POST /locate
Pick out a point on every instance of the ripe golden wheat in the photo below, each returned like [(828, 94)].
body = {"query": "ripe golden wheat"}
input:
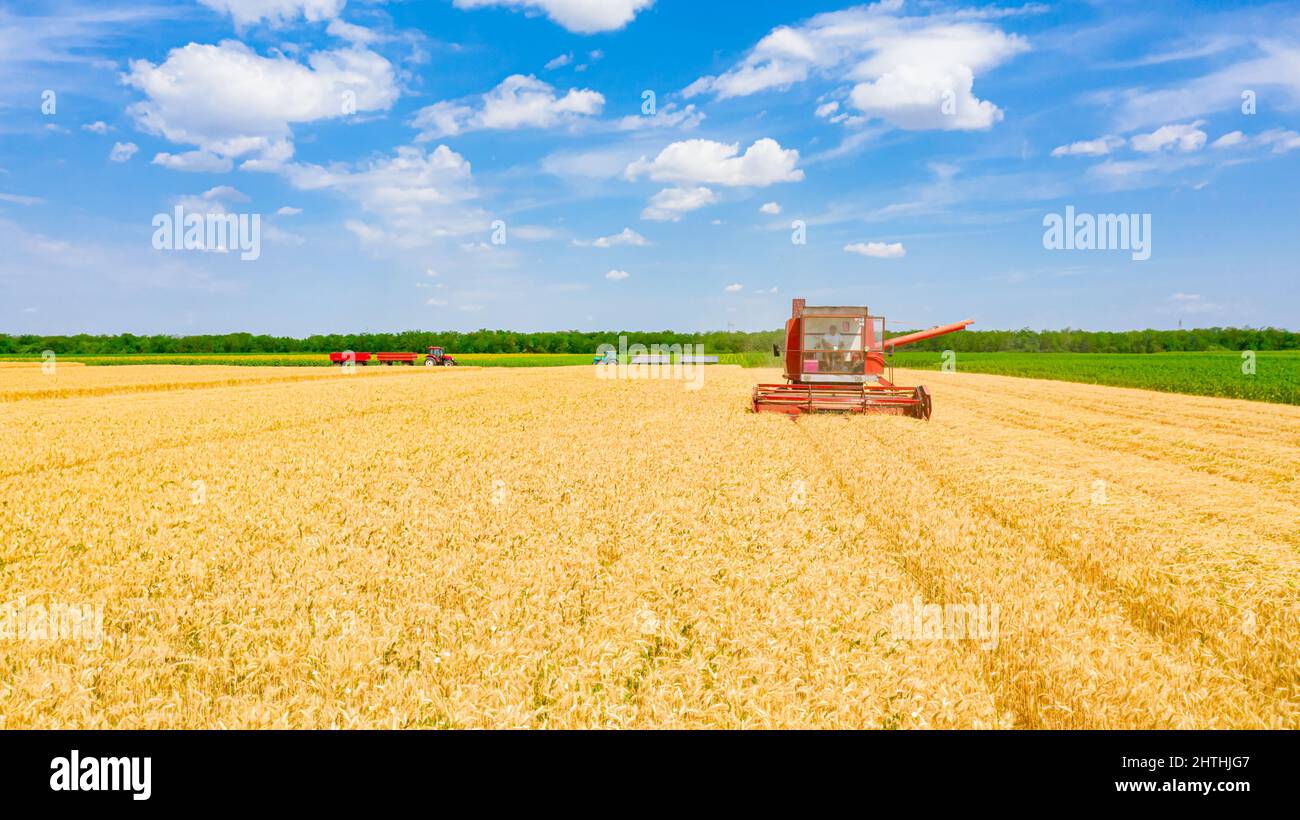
[(542, 548)]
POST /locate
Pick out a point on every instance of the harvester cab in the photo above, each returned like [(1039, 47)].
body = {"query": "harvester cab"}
[(838, 359)]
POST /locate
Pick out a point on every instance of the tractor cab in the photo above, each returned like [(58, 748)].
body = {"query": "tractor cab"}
[(437, 357)]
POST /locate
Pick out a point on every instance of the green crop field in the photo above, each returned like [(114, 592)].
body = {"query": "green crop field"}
[(1217, 373)]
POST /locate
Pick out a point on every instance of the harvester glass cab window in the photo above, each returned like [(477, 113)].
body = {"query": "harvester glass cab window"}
[(875, 333), (833, 344)]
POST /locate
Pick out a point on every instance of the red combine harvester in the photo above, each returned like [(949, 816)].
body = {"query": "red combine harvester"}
[(836, 361)]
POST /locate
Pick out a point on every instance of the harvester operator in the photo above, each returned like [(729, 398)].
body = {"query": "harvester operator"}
[(831, 341)]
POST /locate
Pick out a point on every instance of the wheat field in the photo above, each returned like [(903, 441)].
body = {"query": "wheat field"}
[(542, 548)]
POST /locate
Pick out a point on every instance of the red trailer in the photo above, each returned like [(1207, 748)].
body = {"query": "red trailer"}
[(396, 358), (340, 359)]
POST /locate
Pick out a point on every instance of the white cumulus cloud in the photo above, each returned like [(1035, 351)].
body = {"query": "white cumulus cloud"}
[(705, 161), (1089, 148), (625, 237), (211, 201), (518, 102), (770, 208), (913, 72), (1281, 140), (276, 12), (1229, 139), (616, 275), (123, 151), (231, 102), (581, 16), (669, 204), (668, 116), (878, 250), (202, 162), (1186, 137), (411, 198)]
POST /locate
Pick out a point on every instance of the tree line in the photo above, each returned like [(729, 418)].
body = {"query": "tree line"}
[(1126, 341), (478, 341), (572, 341)]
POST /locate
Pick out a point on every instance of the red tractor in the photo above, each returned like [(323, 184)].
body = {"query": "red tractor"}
[(437, 357)]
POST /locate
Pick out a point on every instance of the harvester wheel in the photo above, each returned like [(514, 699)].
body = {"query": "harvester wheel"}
[(923, 403)]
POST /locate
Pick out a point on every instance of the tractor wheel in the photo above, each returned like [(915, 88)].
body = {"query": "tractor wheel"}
[(429, 363), (446, 363)]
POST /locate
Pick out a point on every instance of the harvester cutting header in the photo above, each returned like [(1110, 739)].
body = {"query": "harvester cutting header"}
[(837, 359)]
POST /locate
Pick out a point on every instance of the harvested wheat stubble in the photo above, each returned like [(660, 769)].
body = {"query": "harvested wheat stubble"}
[(539, 547)]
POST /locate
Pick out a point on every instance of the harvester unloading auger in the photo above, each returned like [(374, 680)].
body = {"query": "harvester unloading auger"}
[(836, 360)]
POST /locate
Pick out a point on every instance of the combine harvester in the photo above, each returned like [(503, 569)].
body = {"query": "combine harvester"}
[(836, 361)]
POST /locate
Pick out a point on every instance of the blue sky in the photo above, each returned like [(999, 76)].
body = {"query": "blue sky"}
[(919, 144)]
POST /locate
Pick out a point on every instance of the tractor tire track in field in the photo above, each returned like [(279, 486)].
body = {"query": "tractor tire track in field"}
[(1097, 556), (238, 431), (61, 393), (1154, 477), (1042, 605), (1174, 548), (258, 377), (1222, 515), (1237, 457), (1244, 422)]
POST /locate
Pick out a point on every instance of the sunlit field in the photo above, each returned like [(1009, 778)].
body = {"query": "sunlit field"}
[(539, 547)]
